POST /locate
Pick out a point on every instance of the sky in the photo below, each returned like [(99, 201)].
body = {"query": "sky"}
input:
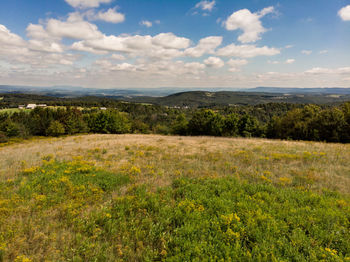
[(175, 43)]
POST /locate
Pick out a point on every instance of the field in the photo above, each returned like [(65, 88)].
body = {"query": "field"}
[(13, 110), (150, 197)]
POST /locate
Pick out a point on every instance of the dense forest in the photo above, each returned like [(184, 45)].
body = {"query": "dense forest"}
[(271, 120)]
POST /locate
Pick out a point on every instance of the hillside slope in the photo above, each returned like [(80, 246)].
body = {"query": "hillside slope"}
[(226, 98), (150, 197)]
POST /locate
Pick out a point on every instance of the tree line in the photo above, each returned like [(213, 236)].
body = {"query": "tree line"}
[(274, 120)]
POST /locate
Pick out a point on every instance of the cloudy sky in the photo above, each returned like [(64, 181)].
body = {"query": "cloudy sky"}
[(175, 43)]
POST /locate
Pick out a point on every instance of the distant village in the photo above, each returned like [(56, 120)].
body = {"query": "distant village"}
[(31, 106)]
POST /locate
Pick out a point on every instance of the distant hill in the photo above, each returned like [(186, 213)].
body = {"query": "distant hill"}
[(229, 98), (76, 91), (326, 90), (185, 98)]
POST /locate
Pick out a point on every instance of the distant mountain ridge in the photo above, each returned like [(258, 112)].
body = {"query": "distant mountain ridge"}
[(185, 98), (323, 90), (76, 91)]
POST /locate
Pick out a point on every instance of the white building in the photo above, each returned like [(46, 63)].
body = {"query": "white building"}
[(31, 106)]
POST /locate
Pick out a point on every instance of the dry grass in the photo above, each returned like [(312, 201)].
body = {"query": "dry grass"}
[(156, 160)]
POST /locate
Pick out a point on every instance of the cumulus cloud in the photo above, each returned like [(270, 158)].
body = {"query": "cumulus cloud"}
[(87, 3), (214, 62), (322, 71), (246, 51), (111, 16), (118, 57), (75, 28), (290, 61), (161, 46), (38, 52), (235, 64), (146, 23), (323, 52), (306, 52), (205, 5), (8, 38), (169, 40), (344, 13), (206, 45), (249, 23)]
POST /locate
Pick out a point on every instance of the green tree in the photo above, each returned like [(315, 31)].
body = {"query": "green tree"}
[(180, 125), (55, 129), (231, 125), (206, 122), (248, 126)]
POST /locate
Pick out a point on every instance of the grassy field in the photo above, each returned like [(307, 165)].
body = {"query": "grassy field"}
[(13, 110), (149, 197)]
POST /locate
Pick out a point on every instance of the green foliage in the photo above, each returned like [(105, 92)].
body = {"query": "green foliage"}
[(109, 122), (180, 125), (272, 120), (10, 128), (248, 126), (231, 125), (206, 122), (55, 129), (224, 219)]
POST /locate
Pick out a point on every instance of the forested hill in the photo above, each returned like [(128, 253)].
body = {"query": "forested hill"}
[(192, 99), (227, 98)]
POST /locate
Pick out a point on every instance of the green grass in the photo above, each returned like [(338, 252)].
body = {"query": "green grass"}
[(13, 110), (131, 199), (207, 219), (42, 209)]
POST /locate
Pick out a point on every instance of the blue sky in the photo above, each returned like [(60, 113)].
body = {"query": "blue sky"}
[(177, 43)]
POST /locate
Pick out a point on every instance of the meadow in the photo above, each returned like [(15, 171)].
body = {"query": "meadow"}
[(172, 198)]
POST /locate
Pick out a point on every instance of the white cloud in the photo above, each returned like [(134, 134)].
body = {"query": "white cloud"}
[(169, 40), (195, 66), (161, 46), (235, 64), (246, 51), (249, 23), (290, 61), (111, 16), (146, 23), (206, 45), (319, 70), (8, 38), (306, 52), (206, 5), (118, 57), (87, 3), (273, 62), (323, 52), (288, 46), (45, 46), (75, 27), (37, 32), (324, 71), (214, 62), (344, 13)]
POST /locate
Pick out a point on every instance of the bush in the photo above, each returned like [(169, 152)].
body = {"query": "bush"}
[(3, 137)]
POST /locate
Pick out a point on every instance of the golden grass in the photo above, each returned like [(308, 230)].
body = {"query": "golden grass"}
[(156, 160)]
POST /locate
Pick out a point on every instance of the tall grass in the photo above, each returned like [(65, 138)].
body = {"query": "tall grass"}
[(142, 198)]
